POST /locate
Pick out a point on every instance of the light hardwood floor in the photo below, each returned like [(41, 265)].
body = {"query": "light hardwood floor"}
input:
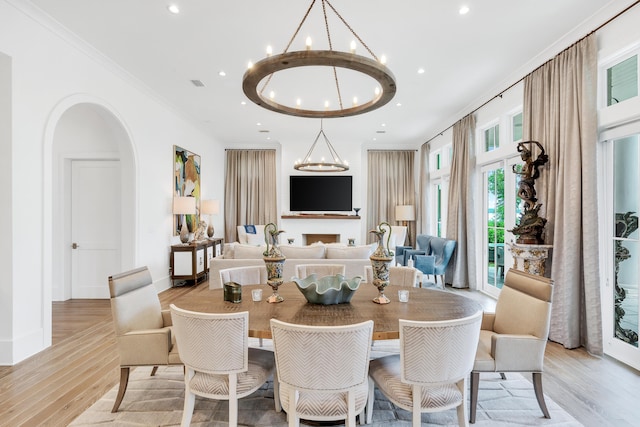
[(56, 385)]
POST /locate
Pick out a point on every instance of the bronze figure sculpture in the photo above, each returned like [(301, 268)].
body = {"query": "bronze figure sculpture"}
[(531, 225)]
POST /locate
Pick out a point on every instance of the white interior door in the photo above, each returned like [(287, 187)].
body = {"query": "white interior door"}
[(95, 226)]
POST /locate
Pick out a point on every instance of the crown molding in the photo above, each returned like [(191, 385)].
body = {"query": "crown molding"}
[(45, 20)]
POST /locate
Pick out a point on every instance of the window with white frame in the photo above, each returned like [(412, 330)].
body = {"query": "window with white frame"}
[(440, 160), (622, 80), (516, 127), (494, 225), (491, 138), (439, 192)]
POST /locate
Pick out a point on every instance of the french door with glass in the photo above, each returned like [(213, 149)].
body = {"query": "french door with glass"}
[(500, 213), (621, 303)]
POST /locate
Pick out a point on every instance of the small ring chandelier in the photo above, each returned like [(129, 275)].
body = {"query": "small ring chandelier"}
[(307, 165), (373, 68)]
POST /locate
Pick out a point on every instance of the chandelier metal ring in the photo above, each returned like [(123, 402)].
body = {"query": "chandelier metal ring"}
[(321, 167), (329, 58)]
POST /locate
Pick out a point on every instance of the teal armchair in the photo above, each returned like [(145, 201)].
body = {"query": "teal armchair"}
[(403, 253), (435, 261)]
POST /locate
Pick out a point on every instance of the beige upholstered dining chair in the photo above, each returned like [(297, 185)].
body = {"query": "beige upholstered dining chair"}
[(514, 338), (219, 363), (322, 370), (401, 276), (430, 373), (248, 275), (320, 270), (143, 330)]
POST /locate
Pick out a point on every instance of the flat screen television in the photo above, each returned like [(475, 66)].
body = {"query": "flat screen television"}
[(320, 193)]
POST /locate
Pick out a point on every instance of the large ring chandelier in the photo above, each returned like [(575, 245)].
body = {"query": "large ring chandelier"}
[(372, 67)]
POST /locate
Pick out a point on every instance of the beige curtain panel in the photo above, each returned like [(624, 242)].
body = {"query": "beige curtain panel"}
[(250, 195), (460, 225), (390, 182), (423, 214), (560, 112)]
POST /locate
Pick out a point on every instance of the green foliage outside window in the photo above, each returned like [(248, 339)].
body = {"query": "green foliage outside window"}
[(495, 224)]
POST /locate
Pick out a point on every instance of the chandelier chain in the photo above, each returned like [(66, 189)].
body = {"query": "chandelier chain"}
[(299, 26), (304, 18), (351, 29), (335, 73)]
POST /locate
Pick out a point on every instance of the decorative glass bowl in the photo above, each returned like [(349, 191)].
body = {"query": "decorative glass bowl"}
[(328, 290)]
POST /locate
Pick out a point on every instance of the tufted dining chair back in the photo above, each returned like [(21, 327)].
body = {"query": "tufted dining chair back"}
[(398, 275), (430, 374), (219, 363), (248, 275), (322, 370), (320, 270)]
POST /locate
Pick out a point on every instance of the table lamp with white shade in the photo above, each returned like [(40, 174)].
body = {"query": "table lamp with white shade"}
[(210, 207), (184, 206), (405, 213)]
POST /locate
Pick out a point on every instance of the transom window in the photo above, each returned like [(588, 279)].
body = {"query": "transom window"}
[(622, 80), (516, 128), (492, 138)]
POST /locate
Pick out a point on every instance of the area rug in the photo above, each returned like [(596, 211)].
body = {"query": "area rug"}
[(158, 400)]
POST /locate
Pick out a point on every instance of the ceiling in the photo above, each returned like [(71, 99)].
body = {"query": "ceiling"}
[(467, 59)]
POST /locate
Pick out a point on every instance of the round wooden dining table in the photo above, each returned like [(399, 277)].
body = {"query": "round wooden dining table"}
[(423, 304)]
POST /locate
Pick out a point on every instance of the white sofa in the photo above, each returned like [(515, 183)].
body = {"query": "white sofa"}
[(238, 255)]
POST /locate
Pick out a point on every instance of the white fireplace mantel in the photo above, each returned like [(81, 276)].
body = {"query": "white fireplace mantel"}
[(344, 227)]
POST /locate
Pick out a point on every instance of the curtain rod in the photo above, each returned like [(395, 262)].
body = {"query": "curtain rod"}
[(254, 149), (499, 95), (408, 149)]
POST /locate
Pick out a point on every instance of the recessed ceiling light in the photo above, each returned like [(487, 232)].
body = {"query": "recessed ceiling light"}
[(221, 73), (243, 102), (398, 105), (174, 9), (464, 10), (258, 124), (383, 124), (420, 70)]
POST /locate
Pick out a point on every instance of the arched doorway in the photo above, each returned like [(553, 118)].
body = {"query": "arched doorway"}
[(83, 130)]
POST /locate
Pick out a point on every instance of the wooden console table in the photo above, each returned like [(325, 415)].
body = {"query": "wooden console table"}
[(191, 261)]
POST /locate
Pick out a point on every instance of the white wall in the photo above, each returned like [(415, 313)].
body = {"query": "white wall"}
[(294, 150), (6, 255), (50, 67)]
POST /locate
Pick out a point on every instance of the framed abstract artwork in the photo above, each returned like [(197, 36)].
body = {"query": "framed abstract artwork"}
[(186, 182)]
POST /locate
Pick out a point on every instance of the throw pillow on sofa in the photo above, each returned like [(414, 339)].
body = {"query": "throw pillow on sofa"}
[(303, 252), (248, 251), (255, 239), (350, 252)]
